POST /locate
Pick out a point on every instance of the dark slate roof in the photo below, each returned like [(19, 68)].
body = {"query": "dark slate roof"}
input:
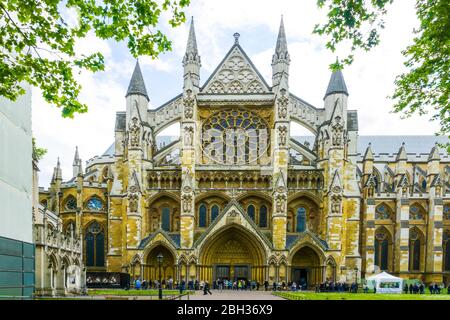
[(137, 84), (175, 237), (336, 84), (290, 240), (110, 151)]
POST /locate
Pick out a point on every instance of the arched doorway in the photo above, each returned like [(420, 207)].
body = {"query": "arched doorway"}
[(232, 253), (151, 267), (306, 267)]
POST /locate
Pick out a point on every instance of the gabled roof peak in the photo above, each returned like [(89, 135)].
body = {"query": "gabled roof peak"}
[(401, 155), (137, 84)]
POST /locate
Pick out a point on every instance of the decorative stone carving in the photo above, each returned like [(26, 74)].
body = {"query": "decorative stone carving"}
[(283, 102), (189, 103), (188, 136), (134, 133), (337, 130), (336, 203), (282, 131), (187, 202), (133, 199), (280, 202)]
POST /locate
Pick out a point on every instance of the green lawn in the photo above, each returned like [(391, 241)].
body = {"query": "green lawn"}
[(359, 296), (132, 292)]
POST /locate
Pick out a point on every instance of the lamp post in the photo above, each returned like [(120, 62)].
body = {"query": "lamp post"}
[(159, 257)]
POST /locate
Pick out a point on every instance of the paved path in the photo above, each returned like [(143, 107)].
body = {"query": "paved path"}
[(233, 295)]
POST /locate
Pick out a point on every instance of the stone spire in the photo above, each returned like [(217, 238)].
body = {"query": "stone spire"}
[(137, 84), (57, 172), (281, 50), (401, 154), (336, 84), (191, 61), (369, 154), (280, 61), (191, 47), (77, 166)]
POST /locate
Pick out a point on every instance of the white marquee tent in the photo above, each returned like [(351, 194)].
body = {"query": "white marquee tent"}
[(385, 283)]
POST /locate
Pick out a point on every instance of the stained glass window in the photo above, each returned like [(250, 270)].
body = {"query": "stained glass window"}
[(235, 136), (165, 220), (214, 212), (94, 204), (71, 204), (447, 212), (95, 245), (251, 212), (263, 217), (382, 212), (416, 212), (381, 249), (301, 219), (446, 247), (202, 216), (414, 250)]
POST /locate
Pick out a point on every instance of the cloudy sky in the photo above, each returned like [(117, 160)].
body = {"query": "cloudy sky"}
[(369, 80)]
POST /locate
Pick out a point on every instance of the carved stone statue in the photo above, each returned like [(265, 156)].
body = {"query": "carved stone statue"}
[(133, 199), (187, 202), (336, 204), (188, 136), (283, 135), (134, 133), (337, 130), (280, 203)]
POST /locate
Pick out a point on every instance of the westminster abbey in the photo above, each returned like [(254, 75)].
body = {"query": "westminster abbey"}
[(236, 196)]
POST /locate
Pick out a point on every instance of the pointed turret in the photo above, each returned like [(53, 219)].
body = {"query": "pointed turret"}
[(280, 60), (369, 154), (77, 166), (137, 84), (57, 172), (401, 154), (191, 61), (336, 84), (434, 153)]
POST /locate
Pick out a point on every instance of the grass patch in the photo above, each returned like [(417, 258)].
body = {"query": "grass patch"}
[(132, 292), (358, 296)]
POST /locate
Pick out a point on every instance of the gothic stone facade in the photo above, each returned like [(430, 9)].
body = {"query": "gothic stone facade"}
[(237, 197)]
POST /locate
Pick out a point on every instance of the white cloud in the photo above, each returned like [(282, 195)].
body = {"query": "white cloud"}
[(369, 79)]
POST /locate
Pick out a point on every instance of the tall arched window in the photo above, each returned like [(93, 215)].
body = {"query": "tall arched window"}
[(95, 245), (446, 247), (165, 219), (301, 219), (214, 212), (414, 250), (251, 212), (263, 217), (202, 216), (381, 249)]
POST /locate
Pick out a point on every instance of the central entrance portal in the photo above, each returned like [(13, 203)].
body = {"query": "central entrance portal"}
[(300, 276), (232, 272), (233, 254)]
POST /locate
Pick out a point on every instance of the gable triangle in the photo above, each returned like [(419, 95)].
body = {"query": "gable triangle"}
[(236, 74)]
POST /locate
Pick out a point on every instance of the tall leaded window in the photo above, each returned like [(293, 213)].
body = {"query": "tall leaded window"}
[(251, 212), (447, 212), (235, 136), (263, 216), (165, 219), (301, 219), (414, 250), (95, 245), (202, 216), (214, 212), (446, 247), (381, 249)]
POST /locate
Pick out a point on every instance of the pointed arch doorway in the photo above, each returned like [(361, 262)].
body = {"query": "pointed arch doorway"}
[(306, 267), (234, 254)]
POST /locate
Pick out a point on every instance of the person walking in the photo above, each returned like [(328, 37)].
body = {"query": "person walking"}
[(206, 289), (220, 282), (137, 284)]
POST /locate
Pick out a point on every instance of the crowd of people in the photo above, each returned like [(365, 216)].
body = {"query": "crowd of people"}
[(242, 284)]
